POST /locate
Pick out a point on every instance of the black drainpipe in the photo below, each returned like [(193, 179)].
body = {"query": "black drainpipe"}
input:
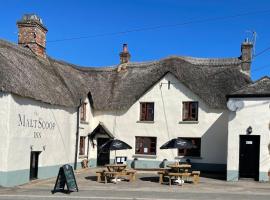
[(77, 134)]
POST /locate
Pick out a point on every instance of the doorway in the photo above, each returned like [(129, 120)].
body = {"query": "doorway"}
[(34, 164), (249, 156), (103, 158)]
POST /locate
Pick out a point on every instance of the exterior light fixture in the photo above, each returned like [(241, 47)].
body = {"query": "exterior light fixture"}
[(249, 130), (44, 147)]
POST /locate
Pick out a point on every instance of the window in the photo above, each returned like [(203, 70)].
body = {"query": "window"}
[(83, 112), (146, 145), (190, 111), (82, 145), (191, 152), (147, 111)]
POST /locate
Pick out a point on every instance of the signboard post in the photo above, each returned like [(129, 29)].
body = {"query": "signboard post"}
[(67, 178)]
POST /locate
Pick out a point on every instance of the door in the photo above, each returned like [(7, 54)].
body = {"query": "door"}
[(103, 158), (249, 156), (34, 164)]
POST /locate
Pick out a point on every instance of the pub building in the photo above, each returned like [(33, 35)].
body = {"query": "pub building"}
[(54, 113)]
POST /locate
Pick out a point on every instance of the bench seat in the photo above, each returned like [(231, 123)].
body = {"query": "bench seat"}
[(129, 174)]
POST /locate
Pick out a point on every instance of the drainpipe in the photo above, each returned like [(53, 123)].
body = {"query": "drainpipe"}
[(77, 134)]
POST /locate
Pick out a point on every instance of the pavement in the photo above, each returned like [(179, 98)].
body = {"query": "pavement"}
[(146, 187)]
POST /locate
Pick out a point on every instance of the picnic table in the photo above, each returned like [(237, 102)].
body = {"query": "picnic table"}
[(179, 172), (114, 172), (116, 167), (176, 167)]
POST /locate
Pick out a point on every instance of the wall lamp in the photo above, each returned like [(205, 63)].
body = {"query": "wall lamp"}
[(249, 130)]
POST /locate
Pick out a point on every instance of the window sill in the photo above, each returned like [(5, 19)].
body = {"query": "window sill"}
[(189, 122), (188, 157), (146, 122), (143, 156), (82, 156), (84, 122)]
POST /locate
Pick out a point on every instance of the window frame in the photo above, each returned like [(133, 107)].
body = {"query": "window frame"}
[(189, 152), (83, 112), (189, 117), (147, 117), (82, 146), (149, 147)]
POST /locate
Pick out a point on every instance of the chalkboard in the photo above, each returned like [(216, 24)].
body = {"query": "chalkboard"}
[(67, 178)]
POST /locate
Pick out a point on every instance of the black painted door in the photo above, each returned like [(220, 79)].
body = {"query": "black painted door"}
[(249, 156), (103, 158), (34, 165)]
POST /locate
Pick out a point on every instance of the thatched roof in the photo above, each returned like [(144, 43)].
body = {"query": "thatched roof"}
[(55, 82), (260, 88)]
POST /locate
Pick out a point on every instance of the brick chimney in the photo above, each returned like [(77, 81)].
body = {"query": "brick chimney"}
[(124, 55), (246, 56), (32, 34)]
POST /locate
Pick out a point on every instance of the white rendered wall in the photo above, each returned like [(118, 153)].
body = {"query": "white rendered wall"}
[(4, 129), (255, 113), (211, 126), (57, 145)]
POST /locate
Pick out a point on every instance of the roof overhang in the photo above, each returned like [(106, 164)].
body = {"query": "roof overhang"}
[(100, 130)]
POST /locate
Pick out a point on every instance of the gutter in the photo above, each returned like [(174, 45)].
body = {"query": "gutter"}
[(77, 134)]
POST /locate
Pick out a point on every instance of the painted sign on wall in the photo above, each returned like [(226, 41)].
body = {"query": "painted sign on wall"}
[(35, 123)]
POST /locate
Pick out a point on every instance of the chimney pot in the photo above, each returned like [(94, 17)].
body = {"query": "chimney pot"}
[(125, 55), (125, 48)]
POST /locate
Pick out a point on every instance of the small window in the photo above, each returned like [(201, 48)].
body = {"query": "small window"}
[(82, 145), (83, 112), (147, 111), (146, 145), (190, 111), (196, 152)]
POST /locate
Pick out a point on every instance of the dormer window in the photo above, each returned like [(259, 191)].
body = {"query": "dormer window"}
[(83, 112), (190, 111), (147, 111)]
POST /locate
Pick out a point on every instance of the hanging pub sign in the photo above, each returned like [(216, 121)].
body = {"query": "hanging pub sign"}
[(67, 178)]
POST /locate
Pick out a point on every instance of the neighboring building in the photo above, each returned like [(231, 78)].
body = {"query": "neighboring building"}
[(55, 113), (249, 132)]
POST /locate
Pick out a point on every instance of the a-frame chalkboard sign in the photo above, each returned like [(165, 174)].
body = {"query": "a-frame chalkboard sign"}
[(67, 178)]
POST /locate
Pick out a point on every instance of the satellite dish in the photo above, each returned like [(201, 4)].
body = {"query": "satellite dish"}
[(231, 105), (235, 105), (239, 105)]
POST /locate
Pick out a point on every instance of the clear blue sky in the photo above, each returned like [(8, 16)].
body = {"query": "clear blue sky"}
[(70, 18)]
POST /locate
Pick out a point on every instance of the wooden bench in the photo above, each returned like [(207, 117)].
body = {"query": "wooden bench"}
[(161, 176), (130, 174), (196, 176), (176, 175), (100, 174)]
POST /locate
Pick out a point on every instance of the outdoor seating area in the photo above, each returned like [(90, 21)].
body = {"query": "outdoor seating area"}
[(116, 173), (173, 174), (178, 173)]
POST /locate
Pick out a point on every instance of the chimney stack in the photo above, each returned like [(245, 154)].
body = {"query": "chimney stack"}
[(32, 34), (246, 56), (124, 55)]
